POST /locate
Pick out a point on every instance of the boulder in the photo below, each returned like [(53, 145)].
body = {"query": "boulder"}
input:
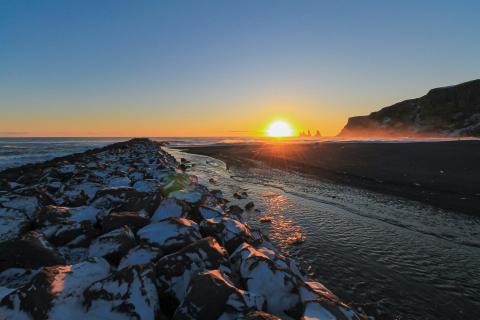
[(74, 234), (175, 270), (12, 224), (149, 185), (141, 254), (30, 251), (14, 278), (115, 220), (113, 245), (223, 301), (119, 182), (192, 197), (170, 234), (126, 199), (54, 292), (209, 213), (130, 293), (63, 215), (321, 303), (29, 205), (170, 208), (278, 285), (228, 231), (79, 193), (235, 211)]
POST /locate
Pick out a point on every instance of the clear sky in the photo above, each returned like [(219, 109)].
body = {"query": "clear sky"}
[(225, 68)]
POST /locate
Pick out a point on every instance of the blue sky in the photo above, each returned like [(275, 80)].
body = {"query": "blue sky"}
[(217, 67)]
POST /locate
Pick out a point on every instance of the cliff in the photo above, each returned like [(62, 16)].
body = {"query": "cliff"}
[(446, 111)]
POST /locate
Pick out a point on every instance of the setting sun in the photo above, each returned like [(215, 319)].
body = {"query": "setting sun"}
[(279, 129)]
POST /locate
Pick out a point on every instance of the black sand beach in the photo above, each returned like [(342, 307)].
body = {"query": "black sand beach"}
[(443, 174)]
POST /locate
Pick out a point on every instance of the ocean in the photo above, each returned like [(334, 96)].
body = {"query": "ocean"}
[(18, 151)]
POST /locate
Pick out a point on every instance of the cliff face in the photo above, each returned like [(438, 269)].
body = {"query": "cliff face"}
[(446, 111)]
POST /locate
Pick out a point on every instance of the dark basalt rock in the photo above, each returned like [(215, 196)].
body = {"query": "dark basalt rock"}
[(170, 234), (36, 299), (52, 215), (278, 285), (140, 255), (113, 245), (223, 300), (229, 232), (127, 199), (130, 292), (30, 251), (53, 288), (116, 220), (171, 208), (75, 234), (173, 269), (12, 224), (235, 210)]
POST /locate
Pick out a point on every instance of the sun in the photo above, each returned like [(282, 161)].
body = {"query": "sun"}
[(279, 129)]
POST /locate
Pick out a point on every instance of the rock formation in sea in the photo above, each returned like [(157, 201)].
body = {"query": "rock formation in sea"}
[(122, 232), (447, 111)]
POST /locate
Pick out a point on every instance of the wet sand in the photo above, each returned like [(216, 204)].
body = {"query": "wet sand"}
[(443, 174)]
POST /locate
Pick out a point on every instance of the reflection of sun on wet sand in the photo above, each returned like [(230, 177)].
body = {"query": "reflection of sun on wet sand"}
[(283, 231)]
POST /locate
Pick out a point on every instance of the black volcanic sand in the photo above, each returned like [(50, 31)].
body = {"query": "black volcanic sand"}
[(443, 174)]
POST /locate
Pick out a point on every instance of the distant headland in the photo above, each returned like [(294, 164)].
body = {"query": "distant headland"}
[(447, 111)]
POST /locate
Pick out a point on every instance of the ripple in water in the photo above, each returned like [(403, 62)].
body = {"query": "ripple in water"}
[(410, 260)]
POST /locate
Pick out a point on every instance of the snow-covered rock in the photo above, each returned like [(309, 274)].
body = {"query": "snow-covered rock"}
[(321, 303), (139, 255), (170, 234), (175, 270), (30, 251), (188, 196), (170, 208), (126, 199), (119, 182), (229, 232), (127, 294), (113, 245), (55, 292), (57, 214), (12, 223), (146, 185), (223, 301), (279, 286), (29, 205), (115, 220)]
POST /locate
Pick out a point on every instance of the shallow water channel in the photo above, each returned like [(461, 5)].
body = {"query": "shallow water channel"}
[(410, 260)]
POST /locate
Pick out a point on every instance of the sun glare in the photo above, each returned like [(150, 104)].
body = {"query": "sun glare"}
[(279, 129)]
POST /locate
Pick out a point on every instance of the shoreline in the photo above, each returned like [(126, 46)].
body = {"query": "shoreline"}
[(451, 181), (122, 231)]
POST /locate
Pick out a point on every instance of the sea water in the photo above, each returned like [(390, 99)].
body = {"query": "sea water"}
[(408, 259)]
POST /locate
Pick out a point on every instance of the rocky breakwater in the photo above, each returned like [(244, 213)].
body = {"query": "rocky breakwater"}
[(122, 232)]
